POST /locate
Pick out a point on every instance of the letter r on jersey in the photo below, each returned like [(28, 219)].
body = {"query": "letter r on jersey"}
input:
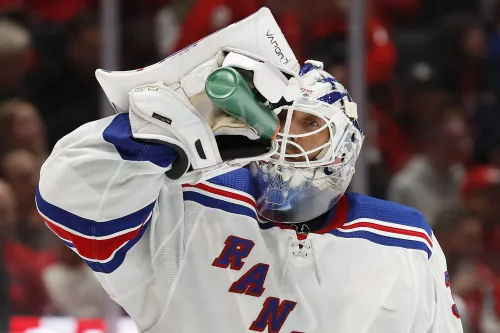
[(235, 250), (273, 314)]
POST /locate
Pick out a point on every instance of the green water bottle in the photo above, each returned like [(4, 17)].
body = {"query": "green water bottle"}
[(227, 89)]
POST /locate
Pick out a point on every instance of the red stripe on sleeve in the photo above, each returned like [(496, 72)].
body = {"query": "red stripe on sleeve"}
[(393, 230), (93, 248)]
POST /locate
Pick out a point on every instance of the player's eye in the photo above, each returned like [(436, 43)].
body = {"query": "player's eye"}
[(311, 123)]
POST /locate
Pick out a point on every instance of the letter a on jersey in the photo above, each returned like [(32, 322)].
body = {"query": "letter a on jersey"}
[(235, 250), (252, 282)]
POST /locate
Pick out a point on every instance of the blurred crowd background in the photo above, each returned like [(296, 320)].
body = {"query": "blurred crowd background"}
[(433, 132)]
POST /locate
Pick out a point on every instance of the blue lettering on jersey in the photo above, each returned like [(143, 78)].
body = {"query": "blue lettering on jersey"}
[(454, 309), (252, 282), (274, 312), (273, 315), (235, 250)]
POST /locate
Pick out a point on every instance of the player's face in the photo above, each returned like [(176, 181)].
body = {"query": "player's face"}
[(303, 123)]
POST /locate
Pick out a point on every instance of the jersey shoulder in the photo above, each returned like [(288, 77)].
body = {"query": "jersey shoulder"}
[(366, 207), (386, 223), (230, 192)]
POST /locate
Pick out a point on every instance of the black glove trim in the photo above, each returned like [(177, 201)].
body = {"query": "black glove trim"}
[(237, 146), (179, 166)]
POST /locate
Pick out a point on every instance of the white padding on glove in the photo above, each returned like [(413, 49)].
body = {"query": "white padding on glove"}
[(268, 79), (159, 114), (194, 82)]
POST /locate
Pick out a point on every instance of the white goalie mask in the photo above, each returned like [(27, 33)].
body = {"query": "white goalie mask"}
[(297, 185)]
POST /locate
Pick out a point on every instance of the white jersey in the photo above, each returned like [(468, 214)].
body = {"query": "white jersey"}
[(191, 259)]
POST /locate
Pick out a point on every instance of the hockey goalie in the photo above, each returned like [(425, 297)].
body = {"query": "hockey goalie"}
[(215, 200)]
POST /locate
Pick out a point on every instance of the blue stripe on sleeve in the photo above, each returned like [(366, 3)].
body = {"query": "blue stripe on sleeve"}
[(119, 134), (219, 204), (88, 227), (384, 240)]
